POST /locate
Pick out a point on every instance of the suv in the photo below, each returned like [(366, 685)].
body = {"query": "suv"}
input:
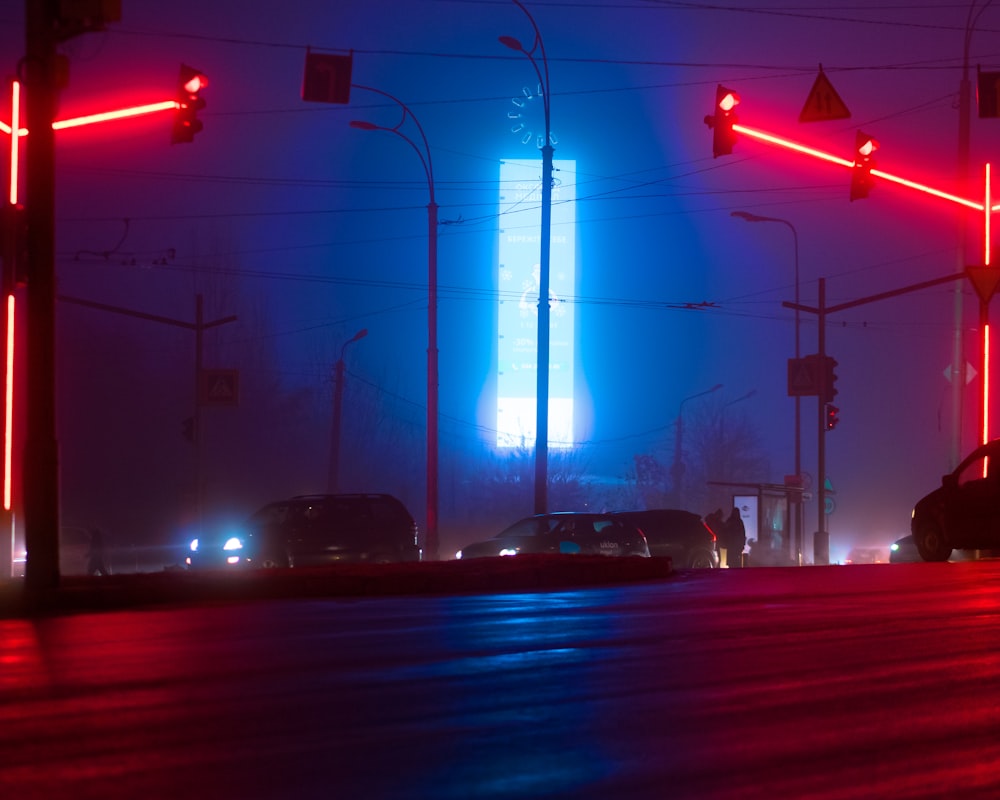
[(317, 529), (681, 535), (964, 512)]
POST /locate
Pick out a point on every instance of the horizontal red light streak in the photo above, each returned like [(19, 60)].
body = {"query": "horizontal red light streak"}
[(105, 116), (811, 151)]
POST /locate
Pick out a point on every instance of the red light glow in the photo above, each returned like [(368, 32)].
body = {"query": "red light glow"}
[(843, 162), (106, 116), (729, 101), (864, 150), (196, 84), (15, 125), (985, 433), (8, 421)]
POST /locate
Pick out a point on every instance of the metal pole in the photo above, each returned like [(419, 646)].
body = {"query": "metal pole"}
[(542, 390), (821, 545), (333, 481), (958, 370), (41, 462), (198, 348), (431, 542)]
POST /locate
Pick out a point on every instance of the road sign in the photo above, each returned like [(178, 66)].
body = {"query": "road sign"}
[(803, 376), (985, 281), (823, 102), (219, 387)]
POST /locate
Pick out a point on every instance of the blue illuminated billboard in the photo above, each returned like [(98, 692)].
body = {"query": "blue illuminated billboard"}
[(517, 316)]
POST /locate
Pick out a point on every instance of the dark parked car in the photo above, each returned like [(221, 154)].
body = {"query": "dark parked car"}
[(903, 551), (964, 512), (563, 532), (314, 529), (681, 535)]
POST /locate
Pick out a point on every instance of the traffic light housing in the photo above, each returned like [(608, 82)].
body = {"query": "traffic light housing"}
[(189, 101), (861, 173), (829, 387), (832, 416), (722, 120)]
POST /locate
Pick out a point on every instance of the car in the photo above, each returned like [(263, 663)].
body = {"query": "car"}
[(680, 535), (309, 530), (904, 551), (563, 532), (868, 555), (963, 513)]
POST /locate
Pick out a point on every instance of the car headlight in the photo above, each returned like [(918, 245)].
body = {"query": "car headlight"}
[(233, 543), (509, 551), (194, 545), (894, 547), (458, 554)]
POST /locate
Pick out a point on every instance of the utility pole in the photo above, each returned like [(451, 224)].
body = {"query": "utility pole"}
[(41, 464)]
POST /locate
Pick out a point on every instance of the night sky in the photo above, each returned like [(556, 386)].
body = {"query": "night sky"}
[(310, 230)]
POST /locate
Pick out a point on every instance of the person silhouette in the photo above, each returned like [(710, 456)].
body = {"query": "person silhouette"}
[(736, 538)]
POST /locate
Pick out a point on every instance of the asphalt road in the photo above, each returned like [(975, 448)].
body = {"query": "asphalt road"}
[(820, 682)]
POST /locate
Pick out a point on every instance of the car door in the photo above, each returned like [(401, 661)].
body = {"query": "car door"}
[(972, 504)]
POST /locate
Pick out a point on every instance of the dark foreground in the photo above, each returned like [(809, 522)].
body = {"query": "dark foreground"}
[(820, 682)]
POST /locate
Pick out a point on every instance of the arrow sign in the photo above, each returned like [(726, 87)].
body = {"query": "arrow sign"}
[(823, 102)]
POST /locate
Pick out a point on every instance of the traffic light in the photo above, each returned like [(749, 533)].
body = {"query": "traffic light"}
[(861, 173), (188, 430), (832, 417), (722, 121), (190, 82), (829, 387)]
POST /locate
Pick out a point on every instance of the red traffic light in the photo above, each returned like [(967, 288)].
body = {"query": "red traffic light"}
[(861, 174), (832, 417), (721, 122), (189, 102)]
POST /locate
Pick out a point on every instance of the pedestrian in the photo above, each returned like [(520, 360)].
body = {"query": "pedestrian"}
[(735, 538), (96, 564)]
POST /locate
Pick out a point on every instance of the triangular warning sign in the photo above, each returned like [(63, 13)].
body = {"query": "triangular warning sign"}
[(823, 102), (985, 279)]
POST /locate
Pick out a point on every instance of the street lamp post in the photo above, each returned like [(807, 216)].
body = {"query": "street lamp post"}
[(746, 215), (431, 544), (677, 471), (333, 482), (542, 391)]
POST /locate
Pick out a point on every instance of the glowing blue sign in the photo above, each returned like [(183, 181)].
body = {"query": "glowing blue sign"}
[(517, 316)]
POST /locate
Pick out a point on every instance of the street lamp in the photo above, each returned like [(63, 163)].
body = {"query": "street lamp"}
[(431, 544), (677, 471), (542, 391), (338, 402), (746, 215)]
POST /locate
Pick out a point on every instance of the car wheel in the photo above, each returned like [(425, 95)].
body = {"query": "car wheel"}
[(700, 559), (930, 542), (381, 557), (274, 561)]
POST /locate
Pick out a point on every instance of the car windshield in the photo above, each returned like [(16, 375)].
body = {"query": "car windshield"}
[(532, 526)]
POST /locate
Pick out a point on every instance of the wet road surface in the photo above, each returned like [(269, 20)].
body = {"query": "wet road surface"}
[(821, 682)]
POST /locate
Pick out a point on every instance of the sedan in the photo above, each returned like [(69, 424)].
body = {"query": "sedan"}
[(564, 532), (681, 535)]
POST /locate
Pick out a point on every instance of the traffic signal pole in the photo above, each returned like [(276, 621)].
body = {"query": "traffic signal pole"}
[(821, 542), (41, 467)]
